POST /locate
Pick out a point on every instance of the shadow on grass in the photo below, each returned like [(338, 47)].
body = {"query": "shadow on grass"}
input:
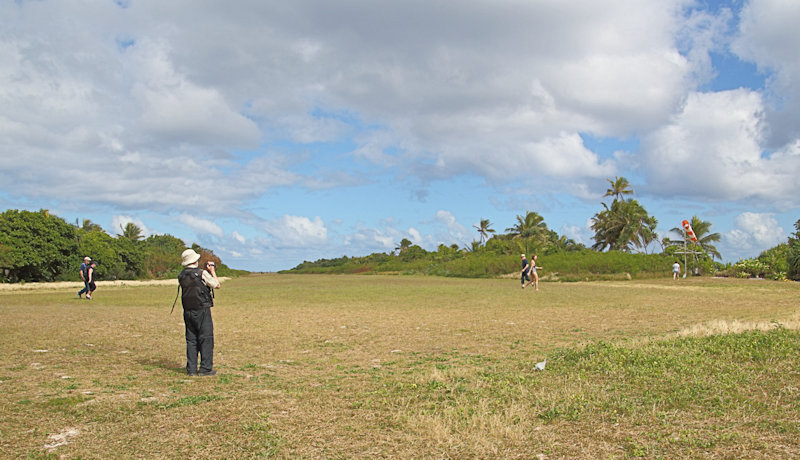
[(163, 363)]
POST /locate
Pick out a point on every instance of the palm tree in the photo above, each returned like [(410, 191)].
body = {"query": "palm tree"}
[(623, 226), (564, 244), (701, 230), (90, 226), (405, 243), (531, 226), (484, 229), (131, 231), (619, 186), (793, 255), (646, 234)]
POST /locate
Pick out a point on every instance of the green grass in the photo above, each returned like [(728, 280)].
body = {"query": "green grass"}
[(408, 367)]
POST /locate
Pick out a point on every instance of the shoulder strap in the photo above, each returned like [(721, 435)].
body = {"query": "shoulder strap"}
[(176, 298)]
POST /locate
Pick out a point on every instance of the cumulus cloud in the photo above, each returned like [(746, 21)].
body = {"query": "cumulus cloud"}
[(767, 36), (753, 233), (578, 234), (321, 96), (415, 235), (238, 237), (297, 231), (368, 239), (200, 225), (455, 230), (761, 228), (712, 150), (178, 110), (503, 91)]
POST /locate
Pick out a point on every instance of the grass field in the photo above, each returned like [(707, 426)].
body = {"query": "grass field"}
[(407, 367)]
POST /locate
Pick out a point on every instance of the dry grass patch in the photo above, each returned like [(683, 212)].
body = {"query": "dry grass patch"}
[(402, 367)]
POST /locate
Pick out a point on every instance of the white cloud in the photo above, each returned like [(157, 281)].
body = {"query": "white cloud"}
[(762, 228), (455, 229), (576, 233), (179, 110), (416, 236), (712, 150), (741, 241), (753, 233), (322, 96), (297, 231), (503, 91), (202, 226), (238, 237), (768, 37)]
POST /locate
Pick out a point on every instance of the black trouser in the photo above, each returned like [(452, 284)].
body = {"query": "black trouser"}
[(199, 339), (85, 288)]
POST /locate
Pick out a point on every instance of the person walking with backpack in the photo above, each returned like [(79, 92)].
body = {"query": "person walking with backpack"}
[(197, 298)]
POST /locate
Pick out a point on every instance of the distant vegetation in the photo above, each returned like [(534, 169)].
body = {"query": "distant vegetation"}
[(37, 246), (578, 265), (625, 245)]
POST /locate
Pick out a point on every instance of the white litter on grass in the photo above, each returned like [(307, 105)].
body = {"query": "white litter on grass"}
[(396, 351), (61, 439), (41, 351), (540, 365)]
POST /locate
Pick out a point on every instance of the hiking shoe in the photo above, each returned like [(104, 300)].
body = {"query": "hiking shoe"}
[(79, 295), (207, 373), (88, 297)]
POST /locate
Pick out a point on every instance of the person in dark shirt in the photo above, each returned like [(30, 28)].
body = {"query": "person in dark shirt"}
[(524, 274), (84, 277), (197, 297), (90, 280)]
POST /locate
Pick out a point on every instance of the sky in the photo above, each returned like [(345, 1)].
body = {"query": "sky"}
[(277, 132)]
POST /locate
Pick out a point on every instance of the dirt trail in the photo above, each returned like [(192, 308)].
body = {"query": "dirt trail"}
[(79, 284)]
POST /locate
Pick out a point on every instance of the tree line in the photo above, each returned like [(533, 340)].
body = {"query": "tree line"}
[(38, 246), (623, 227)]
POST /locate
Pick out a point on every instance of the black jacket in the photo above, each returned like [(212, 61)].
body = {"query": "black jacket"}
[(195, 294)]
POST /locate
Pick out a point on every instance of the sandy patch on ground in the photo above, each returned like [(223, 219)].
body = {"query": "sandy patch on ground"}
[(79, 284), (61, 439)]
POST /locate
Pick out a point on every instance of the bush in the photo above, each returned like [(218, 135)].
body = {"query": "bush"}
[(486, 263), (35, 246), (755, 268)]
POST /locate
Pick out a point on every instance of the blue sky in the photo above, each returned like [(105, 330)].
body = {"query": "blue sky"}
[(277, 132)]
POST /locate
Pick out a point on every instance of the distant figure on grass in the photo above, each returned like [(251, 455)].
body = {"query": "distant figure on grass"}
[(197, 297), (90, 277), (676, 270), (85, 276), (534, 276), (525, 271)]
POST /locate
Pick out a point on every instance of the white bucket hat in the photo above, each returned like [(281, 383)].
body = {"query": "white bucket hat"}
[(87, 258), (189, 257)]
